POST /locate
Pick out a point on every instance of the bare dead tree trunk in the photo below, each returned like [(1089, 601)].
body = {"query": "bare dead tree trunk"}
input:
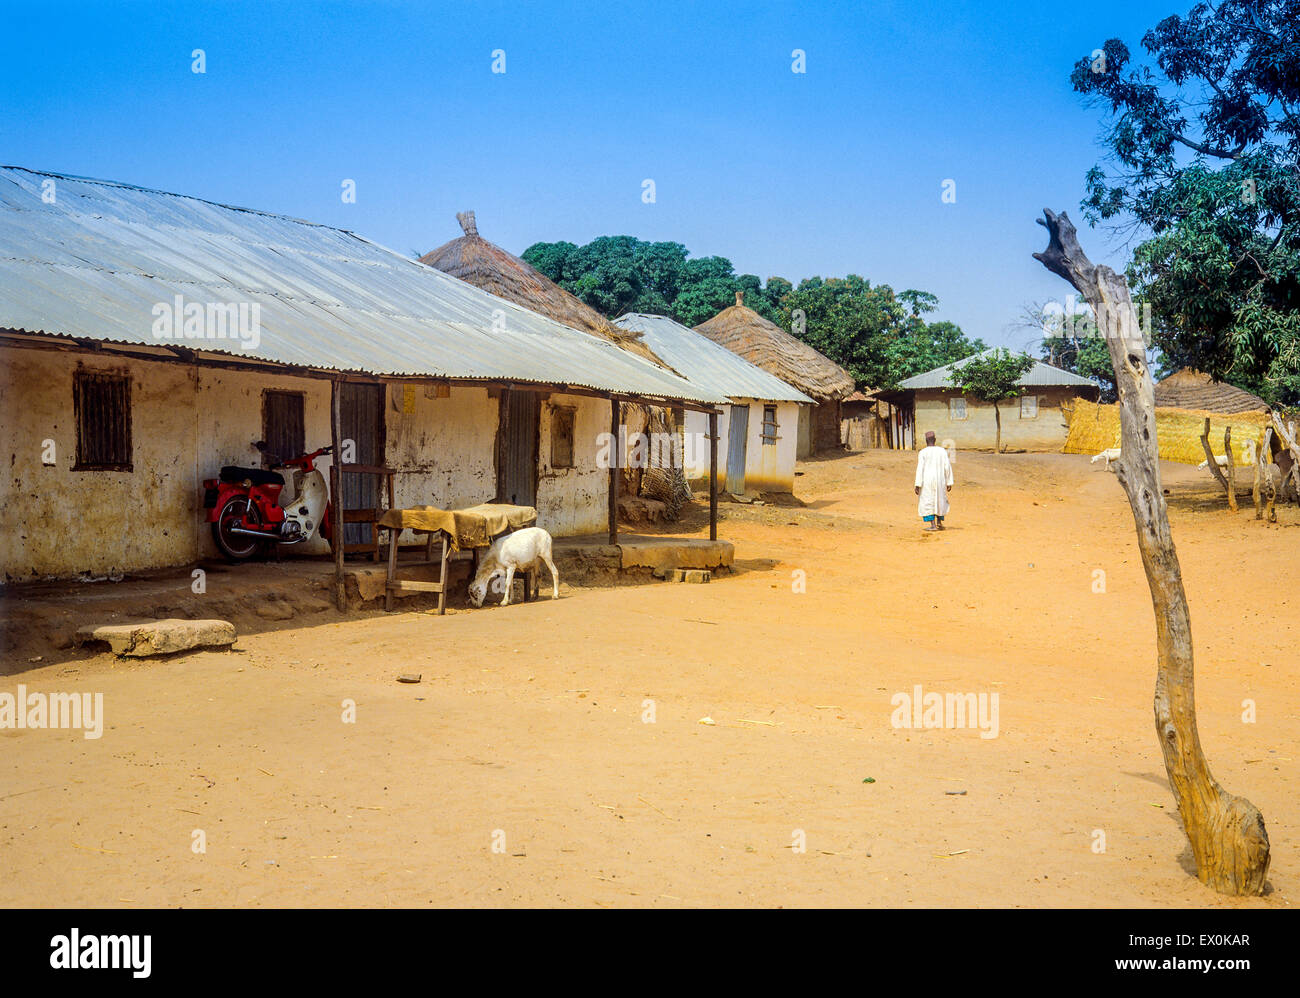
[(1227, 834), (1210, 463)]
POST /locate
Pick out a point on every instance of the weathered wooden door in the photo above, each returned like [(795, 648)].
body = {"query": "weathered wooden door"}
[(517, 447), (361, 418), (282, 426), (737, 447)]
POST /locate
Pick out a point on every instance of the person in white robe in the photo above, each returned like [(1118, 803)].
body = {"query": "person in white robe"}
[(933, 483)]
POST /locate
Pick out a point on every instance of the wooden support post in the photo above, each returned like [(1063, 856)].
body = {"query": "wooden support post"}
[(613, 471), (1231, 469), (1254, 491), (713, 476), (1209, 456), (1265, 461), (337, 519)]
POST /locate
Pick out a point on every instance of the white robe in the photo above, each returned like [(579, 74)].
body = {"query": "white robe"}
[(933, 476)]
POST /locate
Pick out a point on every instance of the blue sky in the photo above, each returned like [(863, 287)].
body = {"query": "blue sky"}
[(837, 170)]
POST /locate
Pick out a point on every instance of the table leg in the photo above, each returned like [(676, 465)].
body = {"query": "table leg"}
[(392, 568), (442, 575)]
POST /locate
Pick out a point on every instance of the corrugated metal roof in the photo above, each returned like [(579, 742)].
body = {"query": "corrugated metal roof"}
[(707, 364), (95, 262), (1040, 375)]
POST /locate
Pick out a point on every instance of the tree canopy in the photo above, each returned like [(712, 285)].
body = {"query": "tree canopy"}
[(1204, 153), (878, 336)]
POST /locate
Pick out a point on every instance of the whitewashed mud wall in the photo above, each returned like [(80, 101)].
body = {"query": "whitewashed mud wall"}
[(573, 501), (185, 423), (444, 451)]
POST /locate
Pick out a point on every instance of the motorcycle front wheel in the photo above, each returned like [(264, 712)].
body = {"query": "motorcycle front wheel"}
[(236, 547)]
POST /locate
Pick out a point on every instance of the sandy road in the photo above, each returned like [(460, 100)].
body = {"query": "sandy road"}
[(567, 733)]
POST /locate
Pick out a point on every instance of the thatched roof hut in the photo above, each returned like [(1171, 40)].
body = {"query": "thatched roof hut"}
[(1191, 389), (474, 260), (765, 344)]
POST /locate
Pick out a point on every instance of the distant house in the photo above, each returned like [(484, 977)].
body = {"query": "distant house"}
[(765, 344), (757, 433), (1033, 422)]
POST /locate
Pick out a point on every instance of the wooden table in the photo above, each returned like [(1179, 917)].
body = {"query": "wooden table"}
[(473, 525)]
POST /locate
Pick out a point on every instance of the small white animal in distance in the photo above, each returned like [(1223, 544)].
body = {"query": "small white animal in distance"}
[(524, 551), (1108, 455), (1248, 453)]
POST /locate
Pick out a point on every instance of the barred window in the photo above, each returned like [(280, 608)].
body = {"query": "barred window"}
[(1028, 406), (957, 408), (101, 404), (562, 419), (769, 424)]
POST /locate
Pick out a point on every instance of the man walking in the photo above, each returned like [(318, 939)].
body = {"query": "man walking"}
[(933, 483)]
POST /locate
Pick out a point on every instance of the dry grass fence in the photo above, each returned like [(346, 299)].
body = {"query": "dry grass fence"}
[(1094, 427)]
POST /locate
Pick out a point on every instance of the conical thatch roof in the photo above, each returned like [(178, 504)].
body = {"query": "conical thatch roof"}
[(1190, 389), (764, 344), (474, 260)]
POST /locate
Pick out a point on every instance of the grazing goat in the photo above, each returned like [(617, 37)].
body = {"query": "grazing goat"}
[(1110, 454), (523, 550)]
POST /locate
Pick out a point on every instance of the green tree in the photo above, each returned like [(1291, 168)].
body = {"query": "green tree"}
[(992, 377), (1203, 150)]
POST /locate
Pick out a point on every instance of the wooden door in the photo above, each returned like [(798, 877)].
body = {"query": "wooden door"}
[(361, 417), (517, 436)]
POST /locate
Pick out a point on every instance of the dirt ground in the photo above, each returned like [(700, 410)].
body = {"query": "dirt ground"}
[(553, 754)]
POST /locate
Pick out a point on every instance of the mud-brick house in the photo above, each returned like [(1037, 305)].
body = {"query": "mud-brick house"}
[(757, 432), (765, 344), (1033, 422), (147, 339)]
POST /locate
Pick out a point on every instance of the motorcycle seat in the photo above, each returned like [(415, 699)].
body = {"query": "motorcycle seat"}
[(234, 474)]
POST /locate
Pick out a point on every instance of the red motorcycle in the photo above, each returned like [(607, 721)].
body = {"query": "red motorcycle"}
[(248, 511)]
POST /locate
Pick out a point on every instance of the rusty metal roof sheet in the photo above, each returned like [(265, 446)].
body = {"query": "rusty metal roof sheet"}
[(97, 259)]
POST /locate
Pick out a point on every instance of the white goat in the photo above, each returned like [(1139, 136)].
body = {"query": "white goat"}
[(524, 550), (1247, 456), (1110, 454)]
